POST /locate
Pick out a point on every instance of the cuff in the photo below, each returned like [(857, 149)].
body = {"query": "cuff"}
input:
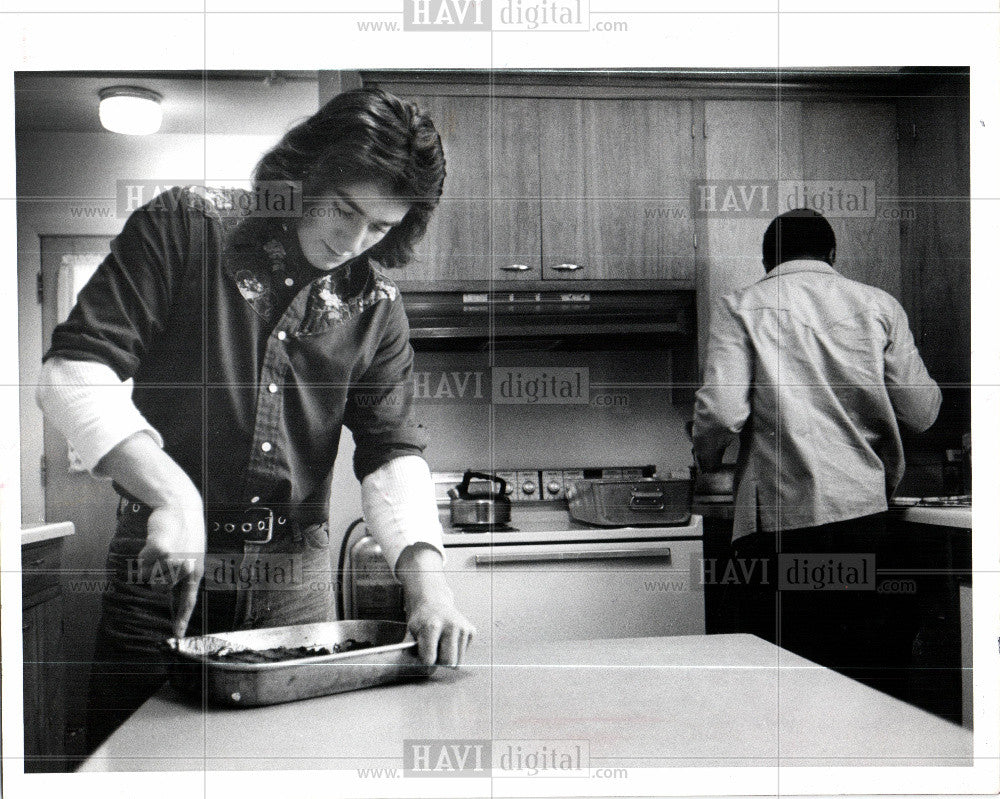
[(91, 407), (399, 507)]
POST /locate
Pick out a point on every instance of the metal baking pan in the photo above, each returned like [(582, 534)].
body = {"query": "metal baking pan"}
[(392, 659), (631, 503)]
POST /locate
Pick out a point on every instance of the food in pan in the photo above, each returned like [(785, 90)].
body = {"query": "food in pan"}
[(281, 653)]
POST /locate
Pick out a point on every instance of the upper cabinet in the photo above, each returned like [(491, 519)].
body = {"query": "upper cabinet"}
[(457, 238), (838, 157), (571, 189), (592, 180), (616, 180)]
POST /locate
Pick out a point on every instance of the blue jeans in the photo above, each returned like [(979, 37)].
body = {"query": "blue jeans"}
[(246, 586)]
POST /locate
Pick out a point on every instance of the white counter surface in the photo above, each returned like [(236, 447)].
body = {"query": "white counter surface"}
[(718, 700), (37, 533), (940, 516)]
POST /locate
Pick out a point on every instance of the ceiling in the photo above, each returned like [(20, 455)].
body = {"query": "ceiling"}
[(249, 102)]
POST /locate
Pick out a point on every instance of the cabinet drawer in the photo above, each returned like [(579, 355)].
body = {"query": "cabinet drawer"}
[(40, 568)]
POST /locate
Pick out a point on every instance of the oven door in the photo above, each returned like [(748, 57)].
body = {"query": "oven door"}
[(598, 589)]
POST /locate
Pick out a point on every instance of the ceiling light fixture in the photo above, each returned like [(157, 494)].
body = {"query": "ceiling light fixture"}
[(131, 110)]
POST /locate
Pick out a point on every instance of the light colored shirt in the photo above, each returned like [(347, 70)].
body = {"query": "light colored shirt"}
[(815, 373), (93, 409)]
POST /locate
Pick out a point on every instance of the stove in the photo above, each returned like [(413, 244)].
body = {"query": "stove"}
[(547, 576)]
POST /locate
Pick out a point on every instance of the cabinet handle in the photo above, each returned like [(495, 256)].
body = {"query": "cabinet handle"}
[(515, 268), (564, 555), (567, 267)]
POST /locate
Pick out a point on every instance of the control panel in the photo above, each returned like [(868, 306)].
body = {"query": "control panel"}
[(534, 485)]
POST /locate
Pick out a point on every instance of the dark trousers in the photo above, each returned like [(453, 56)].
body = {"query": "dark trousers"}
[(246, 586), (801, 590)]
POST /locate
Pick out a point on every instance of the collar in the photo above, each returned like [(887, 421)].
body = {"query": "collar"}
[(800, 265)]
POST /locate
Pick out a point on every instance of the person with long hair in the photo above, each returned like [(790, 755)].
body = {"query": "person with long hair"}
[(253, 326)]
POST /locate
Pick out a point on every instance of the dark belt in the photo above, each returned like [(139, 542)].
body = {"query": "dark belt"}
[(254, 525)]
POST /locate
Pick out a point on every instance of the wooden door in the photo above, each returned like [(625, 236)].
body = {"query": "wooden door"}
[(616, 180), (935, 257), (856, 141), (457, 244), (44, 686), (747, 143), (73, 496), (516, 190)]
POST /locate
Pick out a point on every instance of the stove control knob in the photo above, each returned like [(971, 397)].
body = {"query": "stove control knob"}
[(528, 487), (554, 487)]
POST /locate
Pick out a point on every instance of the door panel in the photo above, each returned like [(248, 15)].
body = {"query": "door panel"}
[(854, 141), (746, 142), (516, 223), (456, 244), (616, 180), (552, 592)]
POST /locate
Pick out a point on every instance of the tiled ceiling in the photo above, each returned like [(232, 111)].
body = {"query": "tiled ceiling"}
[(258, 103)]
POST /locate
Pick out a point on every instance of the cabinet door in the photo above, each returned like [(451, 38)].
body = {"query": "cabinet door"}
[(555, 592), (748, 143), (856, 141), (616, 180), (516, 192), (934, 237), (44, 696), (456, 244)]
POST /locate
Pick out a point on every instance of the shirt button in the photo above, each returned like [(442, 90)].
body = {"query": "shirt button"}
[(289, 281), (282, 335), (266, 446), (254, 500), (272, 388)]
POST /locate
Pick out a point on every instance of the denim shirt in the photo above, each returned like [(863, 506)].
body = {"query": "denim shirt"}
[(246, 359), (815, 373)]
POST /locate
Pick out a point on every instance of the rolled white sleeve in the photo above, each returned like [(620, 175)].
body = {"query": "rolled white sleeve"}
[(399, 507), (91, 407)]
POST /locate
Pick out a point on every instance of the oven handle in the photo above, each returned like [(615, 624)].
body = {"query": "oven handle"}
[(497, 558)]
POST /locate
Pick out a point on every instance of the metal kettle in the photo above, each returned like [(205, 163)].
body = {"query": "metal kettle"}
[(479, 510)]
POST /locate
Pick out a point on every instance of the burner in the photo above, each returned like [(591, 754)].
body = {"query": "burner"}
[(486, 527)]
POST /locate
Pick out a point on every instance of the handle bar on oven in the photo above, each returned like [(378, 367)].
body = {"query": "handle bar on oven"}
[(497, 558)]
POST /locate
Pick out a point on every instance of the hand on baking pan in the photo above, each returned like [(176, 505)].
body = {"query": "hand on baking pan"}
[(441, 631)]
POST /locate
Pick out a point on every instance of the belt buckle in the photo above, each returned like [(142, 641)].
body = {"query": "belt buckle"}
[(265, 525)]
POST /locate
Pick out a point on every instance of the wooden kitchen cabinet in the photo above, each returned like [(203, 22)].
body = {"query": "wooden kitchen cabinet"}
[(936, 274), (813, 144), (856, 141), (516, 190), (42, 632), (542, 189), (457, 241), (616, 181)]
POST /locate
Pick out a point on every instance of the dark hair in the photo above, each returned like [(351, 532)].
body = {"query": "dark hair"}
[(800, 233), (366, 135)]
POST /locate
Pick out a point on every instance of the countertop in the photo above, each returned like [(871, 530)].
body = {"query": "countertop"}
[(36, 533), (717, 700), (939, 516), (960, 517)]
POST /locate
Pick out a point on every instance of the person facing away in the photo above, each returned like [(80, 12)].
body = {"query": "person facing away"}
[(816, 374)]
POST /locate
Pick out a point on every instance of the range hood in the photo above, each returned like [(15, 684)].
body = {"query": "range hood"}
[(650, 318)]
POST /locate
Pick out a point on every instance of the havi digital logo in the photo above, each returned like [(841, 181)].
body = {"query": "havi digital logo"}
[(447, 15)]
